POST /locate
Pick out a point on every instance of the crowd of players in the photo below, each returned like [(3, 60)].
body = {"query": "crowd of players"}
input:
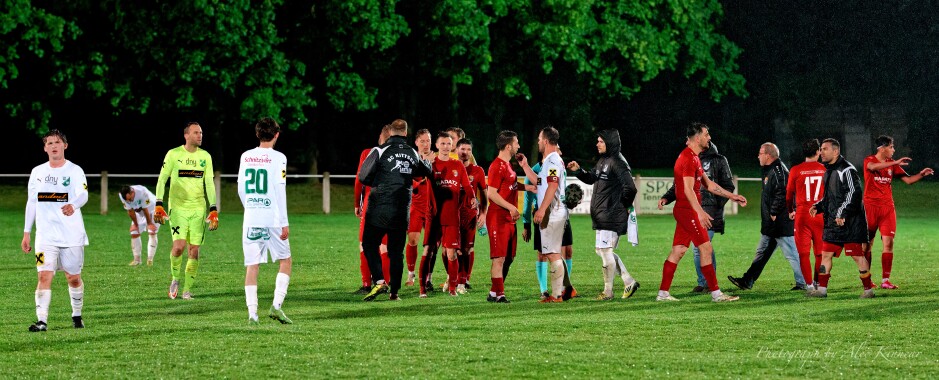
[(820, 207)]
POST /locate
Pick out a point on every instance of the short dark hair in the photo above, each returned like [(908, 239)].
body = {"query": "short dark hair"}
[(421, 132), (54, 133), (464, 141), (505, 138), (459, 132), (810, 147), (695, 128), (833, 142), (443, 134), (266, 128), (883, 141), (189, 124), (550, 134), (124, 191)]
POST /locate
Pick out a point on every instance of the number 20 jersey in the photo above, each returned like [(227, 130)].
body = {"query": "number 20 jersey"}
[(262, 180)]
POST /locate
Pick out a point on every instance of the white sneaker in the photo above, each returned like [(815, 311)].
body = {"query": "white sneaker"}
[(461, 289), (868, 293), (134, 263), (724, 298), (446, 286), (666, 298), (187, 295)]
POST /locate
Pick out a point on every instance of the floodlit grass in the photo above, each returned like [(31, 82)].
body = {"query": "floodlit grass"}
[(134, 330)]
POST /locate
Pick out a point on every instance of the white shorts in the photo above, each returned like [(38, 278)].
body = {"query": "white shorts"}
[(67, 259), (552, 236), (607, 239), (142, 223), (258, 241)]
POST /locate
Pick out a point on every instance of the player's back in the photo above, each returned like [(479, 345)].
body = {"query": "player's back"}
[(260, 173), (805, 184)]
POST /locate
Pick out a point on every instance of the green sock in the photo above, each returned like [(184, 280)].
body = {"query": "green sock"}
[(175, 263), (192, 266)]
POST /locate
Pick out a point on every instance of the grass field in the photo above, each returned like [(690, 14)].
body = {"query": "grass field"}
[(134, 330)]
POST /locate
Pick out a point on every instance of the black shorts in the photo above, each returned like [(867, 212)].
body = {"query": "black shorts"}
[(566, 240)]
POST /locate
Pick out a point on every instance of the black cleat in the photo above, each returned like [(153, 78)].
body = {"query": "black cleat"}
[(38, 326), (77, 322), (798, 287), (740, 282), (363, 290), (502, 299), (429, 287), (468, 286), (490, 298)]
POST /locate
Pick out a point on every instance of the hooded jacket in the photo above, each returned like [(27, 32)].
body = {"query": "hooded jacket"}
[(613, 187), (773, 201), (718, 170), (389, 170), (843, 199)]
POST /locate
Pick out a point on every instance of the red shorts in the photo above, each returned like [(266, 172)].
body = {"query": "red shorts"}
[(688, 229), (419, 219), (883, 218), (502, 239), (850, 249), (384, 240), (443, 236), (809, 232), (468, 235)]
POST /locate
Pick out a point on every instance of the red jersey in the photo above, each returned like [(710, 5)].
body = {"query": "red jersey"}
[(361, 191), (449, 179), (687, 165), (477, 179), (805, 186), (877, 183), (421, 195), (502, 178)]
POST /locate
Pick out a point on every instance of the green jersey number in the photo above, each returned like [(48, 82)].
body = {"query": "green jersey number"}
[(257, 181)]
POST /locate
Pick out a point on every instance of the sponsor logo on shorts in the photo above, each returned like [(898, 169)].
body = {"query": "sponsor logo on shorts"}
[(191, 173), (255, 233), (175, 230), (40, 258), (53, 197), (258, 202)]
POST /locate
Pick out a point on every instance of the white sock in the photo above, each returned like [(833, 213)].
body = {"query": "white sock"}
[(135, 247), (280, 289), (715, 294), (77, 296), (663, 293), (411, 273), (885, 280), (42, 304), (251, 299), (556, 275), (624, 274), (609, 271), (152, 247)]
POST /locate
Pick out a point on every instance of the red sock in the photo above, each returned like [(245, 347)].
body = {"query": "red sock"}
[(498, 286), (823, 279), (453, 270), (866, 280), (422, 276), (867, 254), (709, 276), (363, 267), (886, 262), (469, 270), (806, 265), (411, 256), (386, 267), (668, 273)]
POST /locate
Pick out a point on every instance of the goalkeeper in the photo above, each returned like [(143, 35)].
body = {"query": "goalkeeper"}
[(191, 191)]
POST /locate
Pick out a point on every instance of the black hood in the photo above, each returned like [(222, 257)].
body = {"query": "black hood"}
[(711, 151), (611, 138)]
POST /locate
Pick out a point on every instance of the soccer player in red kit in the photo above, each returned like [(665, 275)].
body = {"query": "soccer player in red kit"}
[(879, 171), (451, 185), (471, 217), (421, 209), (361, 205), (692, 221), (804, 190)]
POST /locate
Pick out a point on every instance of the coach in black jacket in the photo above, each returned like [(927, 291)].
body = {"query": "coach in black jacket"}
[(388, 170), (613, 193), (775, 227), (845, 219), (718, 170)]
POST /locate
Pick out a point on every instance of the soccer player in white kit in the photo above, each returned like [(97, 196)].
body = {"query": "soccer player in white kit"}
[(552, 214), (140, 204), (57, 191), (262, 187)]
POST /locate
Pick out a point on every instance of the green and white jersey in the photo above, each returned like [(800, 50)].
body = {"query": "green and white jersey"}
[(191, 178), (262, 187)]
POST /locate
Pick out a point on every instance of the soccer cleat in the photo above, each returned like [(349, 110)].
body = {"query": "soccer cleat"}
[(38, 326), (445, 287), (502, 299), (363, 290), (410, 281), (149, 263), (491, 298), (394, 297), (423, 295), (725, 298), (551, 299), (468, 286), (740, 283), (134, 263), (376, 290), (278, 315), (453, 293), (77, 322), (631, 289), (666, 298), (545, 295), (461, 289), (568, 293), (817, 294), (429, 287), (868, 293), (887, 285), (799, 287), (603, 297), (187, 295), (699, 289), (174, 289), (253, 321)]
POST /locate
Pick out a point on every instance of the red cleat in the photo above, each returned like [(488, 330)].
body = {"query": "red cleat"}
[(887, 285), (551, 299)]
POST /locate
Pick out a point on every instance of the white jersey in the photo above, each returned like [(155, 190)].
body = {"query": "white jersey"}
[(262, 186), (143, 198), (552, 170), (49, 190)]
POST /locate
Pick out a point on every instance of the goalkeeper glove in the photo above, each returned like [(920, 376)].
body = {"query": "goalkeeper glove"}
[(159, 215), (212, 220)]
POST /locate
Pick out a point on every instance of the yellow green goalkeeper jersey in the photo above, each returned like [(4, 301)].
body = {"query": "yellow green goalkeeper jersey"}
[(192, 179)]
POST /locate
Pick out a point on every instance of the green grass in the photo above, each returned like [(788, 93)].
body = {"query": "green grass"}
[(135, 331)]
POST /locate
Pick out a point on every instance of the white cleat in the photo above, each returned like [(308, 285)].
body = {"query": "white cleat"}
[(187, 295), (667, 298), (868, 293), (724, 298), (134, 263), (461, 289)]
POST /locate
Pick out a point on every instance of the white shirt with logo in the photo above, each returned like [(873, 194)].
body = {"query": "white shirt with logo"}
[(262, 186), (49, 190), (143, 199), (553, 167)]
